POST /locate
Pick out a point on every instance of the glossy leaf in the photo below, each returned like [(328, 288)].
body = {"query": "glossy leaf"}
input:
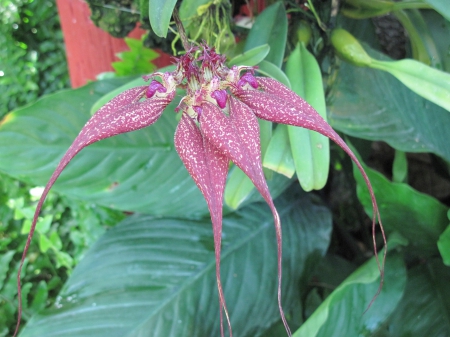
[(373, 105), (444, 246), (160, 12), (425, 307), (155, 277), (440, 6), (310, 150), (278, 156), (270, 28), (240, 190), (341, 314), (439, 29), (129, 172), (251, 57), (269, 69), (433, 84), (416, 216)]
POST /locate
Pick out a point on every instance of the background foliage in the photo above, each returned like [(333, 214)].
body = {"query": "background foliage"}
[(159, 261)]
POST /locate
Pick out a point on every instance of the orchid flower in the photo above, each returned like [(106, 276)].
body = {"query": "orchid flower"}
[(218, 124)]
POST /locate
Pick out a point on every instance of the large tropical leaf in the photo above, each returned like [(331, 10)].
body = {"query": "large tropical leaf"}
[(155, 277), (425, 307), (374, 105), (418, 217), (270, 28), (137, 171), (341, 314)]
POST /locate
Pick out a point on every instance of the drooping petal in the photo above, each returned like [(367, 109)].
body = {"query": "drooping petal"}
[(123, 113), (208, 167), (237, 136), (279, 104)]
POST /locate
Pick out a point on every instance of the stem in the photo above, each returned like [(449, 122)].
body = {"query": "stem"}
[(181, 30)]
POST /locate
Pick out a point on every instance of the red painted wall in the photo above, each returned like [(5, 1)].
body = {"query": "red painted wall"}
[(90, 51)]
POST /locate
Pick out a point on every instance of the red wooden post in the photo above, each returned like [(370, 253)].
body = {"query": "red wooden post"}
[(90, 51)]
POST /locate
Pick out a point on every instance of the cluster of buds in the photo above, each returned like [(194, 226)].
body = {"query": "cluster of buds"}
[(218, 125)]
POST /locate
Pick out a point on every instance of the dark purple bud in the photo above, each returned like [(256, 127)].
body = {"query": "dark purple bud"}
[(221, 97), (248, 78), (154, 87)]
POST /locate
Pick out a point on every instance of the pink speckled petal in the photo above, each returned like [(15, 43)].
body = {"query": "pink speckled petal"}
[(279, 104), (123, 113), (208, 167), (237, 136)]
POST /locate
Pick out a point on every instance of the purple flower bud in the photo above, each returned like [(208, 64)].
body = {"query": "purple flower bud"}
[(154, 87), (248, 78), (221, 97)]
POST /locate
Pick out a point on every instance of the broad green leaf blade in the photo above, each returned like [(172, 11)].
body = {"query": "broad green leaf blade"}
[(270, 28), (310, 150), (416, 216), (155, 277), (341, 314), (269, 69), (431, 83), (278, 155), (425, 307), (136, 171), (439, 29), (160, 12), (250, 57), (373, 105), (440, 6), (444, 246)]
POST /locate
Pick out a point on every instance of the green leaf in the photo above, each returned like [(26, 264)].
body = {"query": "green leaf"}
[(160, 12), (373, 105), (270, 28), (269, 69), (44, 243), (444, 246), (310, 150), (400, 167), (240, 190), (5, 259), (188, 10), (440, 6), (40, 297), (425, 307), (341, 314), (136, 61), (156, 277), (251, 57), (431, 83), (439, 29), (416, 216), (137, 171), (278, 155)]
